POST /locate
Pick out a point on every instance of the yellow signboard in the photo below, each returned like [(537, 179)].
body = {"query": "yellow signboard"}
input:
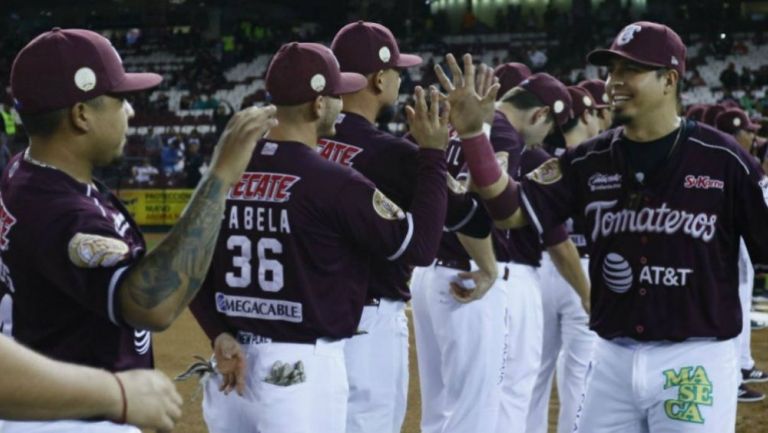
[(155, 207)]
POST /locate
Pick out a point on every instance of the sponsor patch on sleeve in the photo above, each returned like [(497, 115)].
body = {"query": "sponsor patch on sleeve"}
[(547, 173), (386, 208), (92, 251)]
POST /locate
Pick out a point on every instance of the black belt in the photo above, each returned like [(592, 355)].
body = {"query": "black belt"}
[(465, 266), (455, 264)]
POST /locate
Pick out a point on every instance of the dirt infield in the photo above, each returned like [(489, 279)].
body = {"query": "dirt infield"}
[(174, 350)]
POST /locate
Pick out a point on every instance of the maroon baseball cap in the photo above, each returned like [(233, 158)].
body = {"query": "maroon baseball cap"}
[(365, 47), (733, 119), (301, 71), (710, 114), (647, 43), (552, 93), (510, 75), (581, 100), (596, 88), (696, 112), (62, 67)]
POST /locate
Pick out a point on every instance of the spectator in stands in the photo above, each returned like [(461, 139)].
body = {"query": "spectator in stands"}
[(7, 134), (192, 165), (222, 115), (696, 80), (170, 156), (468, 20), (729, 77), (144, 175)]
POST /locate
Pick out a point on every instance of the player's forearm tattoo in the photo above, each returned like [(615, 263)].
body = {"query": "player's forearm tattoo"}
[(180, 262)]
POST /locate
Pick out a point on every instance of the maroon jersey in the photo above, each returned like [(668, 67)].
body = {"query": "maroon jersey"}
[(575, 231), (391, 163), (65, 248), (293, 258), (664, 247)]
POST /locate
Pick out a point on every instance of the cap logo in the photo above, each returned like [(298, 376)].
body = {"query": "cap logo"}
[(736, 122), (317, 82), (627, 34), (85, 79), (558, 106), (385, 54), (605, 98), (674, 61), (587, 101)]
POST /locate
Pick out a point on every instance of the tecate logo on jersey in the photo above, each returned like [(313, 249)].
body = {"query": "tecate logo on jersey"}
[(649, 220), (601, 182), (617, 274), (703, 182), (336, 151), (268, 187)]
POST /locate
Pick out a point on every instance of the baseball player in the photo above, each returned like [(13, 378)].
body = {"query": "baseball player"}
[(664, 232), (696, 112), (377, 357), (568, 342), (291, 270), (79, 283), (596, 89), (735, 122)]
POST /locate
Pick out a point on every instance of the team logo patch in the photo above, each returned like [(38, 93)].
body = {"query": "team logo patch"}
[(85, 79), (92, 251), (386, 208), (6, 222), (336, 151), (547, 173), (317, 82), (385, 54), (602, 182), (142, 341), (628, 34), (702, 182), (617, 273), (694, 389)]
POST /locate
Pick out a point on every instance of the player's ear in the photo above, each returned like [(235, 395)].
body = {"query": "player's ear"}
[(540, 114), (80, 116), (670, 83), (377, 81), (317, 107)]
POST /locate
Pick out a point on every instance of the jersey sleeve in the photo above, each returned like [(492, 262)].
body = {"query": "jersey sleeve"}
[(752, 214), (548, 194), (83, 256), (376, 223)]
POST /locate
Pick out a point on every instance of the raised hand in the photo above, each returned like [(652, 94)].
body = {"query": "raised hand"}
[(237, 142), (427, 124), (469, 108)]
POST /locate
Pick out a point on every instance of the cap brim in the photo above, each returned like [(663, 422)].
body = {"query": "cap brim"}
[(135, 82), (408, 60), (602, 57), (754, 127), (350, 82)]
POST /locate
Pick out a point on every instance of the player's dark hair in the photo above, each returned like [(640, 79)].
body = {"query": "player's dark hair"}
[(45, 124), (570, 124), (522, 99)]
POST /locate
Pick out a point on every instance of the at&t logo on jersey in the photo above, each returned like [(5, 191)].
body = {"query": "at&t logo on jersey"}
[(665, 276), (703, 182), (649, 220), (268, 187), (336, 151), (6, 222), (617, 274), (142, 341)]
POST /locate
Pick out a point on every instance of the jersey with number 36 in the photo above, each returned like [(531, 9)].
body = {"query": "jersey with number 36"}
[(293, 257)]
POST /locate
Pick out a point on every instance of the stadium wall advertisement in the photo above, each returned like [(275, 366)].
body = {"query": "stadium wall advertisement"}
[(155, 207)]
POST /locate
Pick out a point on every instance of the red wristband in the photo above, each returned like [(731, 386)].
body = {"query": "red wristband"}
[(481, 160), (122, 418)]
